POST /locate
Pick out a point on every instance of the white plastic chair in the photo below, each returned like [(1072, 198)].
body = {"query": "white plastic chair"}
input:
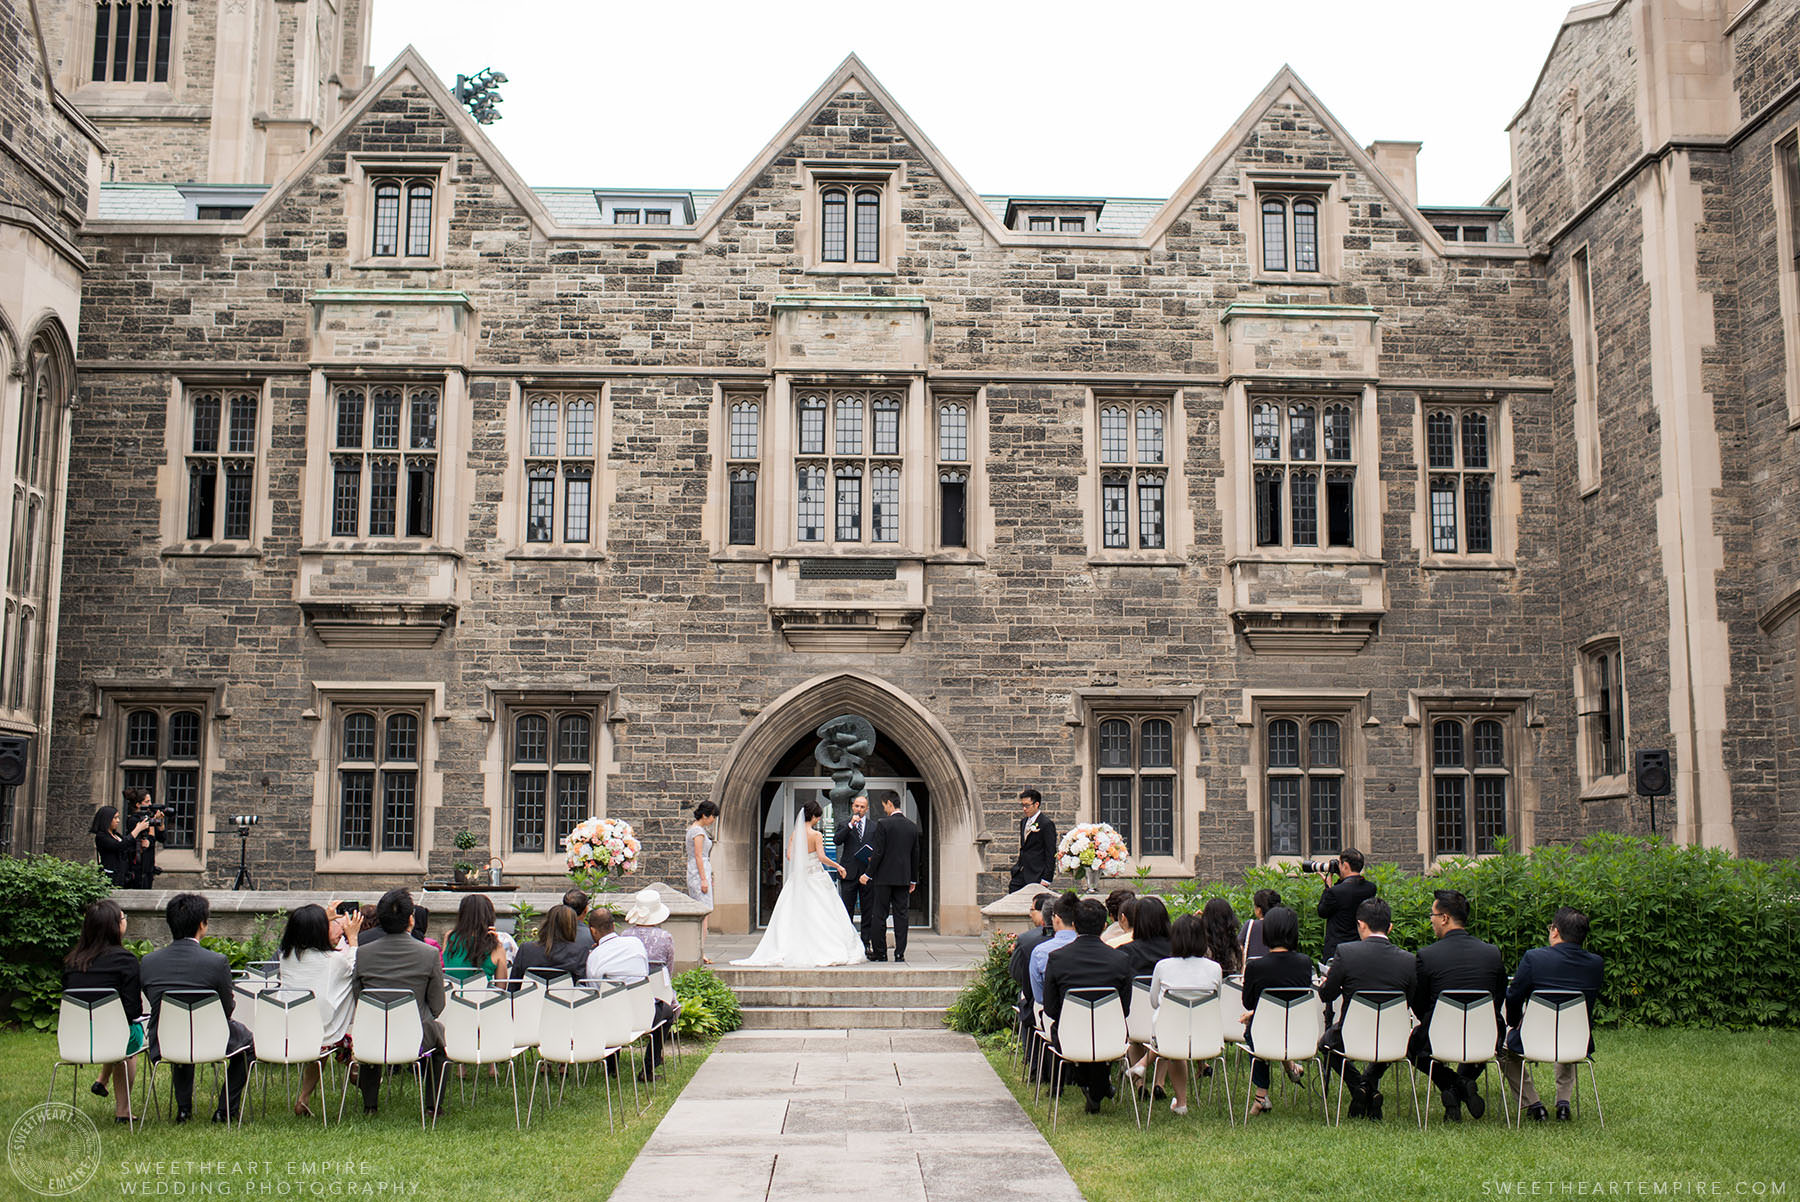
[(245, 989), (1189, 1026), (571, 1033), (91, 1028), (1139, 1023), (1377, 1027), (663, 989), (1464, 1029), (1556, 1029), (527, 997), (386, 1031), (1287, 1025), (1090, 1031), (289, 1029), (1231, 1009), (478, 1031), (192, 1029)]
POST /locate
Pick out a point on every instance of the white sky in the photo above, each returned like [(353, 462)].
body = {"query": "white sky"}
[(1045, 97)]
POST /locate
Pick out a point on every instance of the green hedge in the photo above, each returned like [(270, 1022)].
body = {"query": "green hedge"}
[(1692, 936), (42, 899), (708, 1006)]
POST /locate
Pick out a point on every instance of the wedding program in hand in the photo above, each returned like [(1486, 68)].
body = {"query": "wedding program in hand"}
[(809, 928)]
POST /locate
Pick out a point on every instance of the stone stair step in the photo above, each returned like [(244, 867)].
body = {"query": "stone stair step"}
[(885, 976), (760, 1018), (826, 996)]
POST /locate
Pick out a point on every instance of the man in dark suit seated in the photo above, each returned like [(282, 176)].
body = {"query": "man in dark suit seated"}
[(1567, 965), (1037, 844), (1364, 966), (402, 964), (1087, 963), (1456, 961), (184, 964)]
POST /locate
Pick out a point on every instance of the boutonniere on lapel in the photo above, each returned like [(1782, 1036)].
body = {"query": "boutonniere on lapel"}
[(1031, 823)]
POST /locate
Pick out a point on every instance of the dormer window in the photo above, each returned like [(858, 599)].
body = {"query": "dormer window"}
[(849, 223), (841, 233), (1290, 231), (402, 218), (399, 211), (1051, 215)]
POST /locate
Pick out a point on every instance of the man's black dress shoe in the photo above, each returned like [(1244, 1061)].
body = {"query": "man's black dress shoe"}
[(1475, 1102), (182, 1116), (1453, 1113), (1093, 1101), (1359, 1104), (1562, 1112), (1536, 1112), (874, 959), (97, 1089), (899, 959)]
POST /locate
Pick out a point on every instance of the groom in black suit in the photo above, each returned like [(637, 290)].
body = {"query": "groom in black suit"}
[(894, 872), (854, 846), (1037, 844)]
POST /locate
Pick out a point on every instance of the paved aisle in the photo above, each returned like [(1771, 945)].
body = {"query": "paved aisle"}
[(902, 1116)]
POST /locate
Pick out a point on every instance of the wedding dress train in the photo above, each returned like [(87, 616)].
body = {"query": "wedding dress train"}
[(809, 928)]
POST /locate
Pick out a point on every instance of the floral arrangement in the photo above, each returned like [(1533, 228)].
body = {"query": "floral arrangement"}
[(600, 849), (1092, 847)]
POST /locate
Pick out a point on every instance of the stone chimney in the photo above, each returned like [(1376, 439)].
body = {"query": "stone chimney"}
[(1399, 161)]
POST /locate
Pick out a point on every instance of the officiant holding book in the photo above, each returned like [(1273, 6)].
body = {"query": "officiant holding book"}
[(854, 842)]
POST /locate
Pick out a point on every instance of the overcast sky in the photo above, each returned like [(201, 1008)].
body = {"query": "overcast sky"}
[(1048, 97)]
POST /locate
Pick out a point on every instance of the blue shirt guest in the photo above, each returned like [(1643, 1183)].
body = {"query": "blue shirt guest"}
[(1062, 933), (1566, 965)]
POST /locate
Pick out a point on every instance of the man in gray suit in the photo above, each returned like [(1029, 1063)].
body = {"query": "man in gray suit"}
[(185, 965), (401, 964)]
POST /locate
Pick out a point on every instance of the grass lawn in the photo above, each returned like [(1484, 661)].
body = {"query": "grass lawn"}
[(1688, 1113), (474, 1153)]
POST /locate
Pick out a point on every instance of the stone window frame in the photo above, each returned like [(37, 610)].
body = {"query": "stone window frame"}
[(1584, 350), (449, 515), (176, 483), (365, 171), (515, 500), (1351, 709), (1784, 170), (886, 178), (596, 702), (1366, 544), (1177, 519), (1469, 773), (1504, 498), (115, 703), (39, 475), (78, 69), (1327, 189), (1090, 707), (1598, 705), (333, 700), (742, 459), (968, 466)]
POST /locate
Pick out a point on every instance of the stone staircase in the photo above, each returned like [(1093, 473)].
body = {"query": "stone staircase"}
[(863, 996)]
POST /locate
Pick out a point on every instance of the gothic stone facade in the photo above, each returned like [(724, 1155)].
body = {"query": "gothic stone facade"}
[(408, 507)]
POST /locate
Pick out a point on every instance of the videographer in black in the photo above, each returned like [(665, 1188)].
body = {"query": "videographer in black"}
[(1337, 905), (149, 821)]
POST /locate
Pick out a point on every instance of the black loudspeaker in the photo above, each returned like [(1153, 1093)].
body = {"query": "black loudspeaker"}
[(15, 752), (1653, 773)]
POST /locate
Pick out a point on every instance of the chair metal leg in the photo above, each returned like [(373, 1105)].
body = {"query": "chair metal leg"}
[(1225, 1075), (1340, 1101), (1594, 1084), (1055, 1092), (1126, 1085)]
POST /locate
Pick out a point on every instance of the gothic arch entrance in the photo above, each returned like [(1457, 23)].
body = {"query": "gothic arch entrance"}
[(766, 749)]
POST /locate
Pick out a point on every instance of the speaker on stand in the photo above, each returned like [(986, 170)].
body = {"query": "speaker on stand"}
[(1653, 778)]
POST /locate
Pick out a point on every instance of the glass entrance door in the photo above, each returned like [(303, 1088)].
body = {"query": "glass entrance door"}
[(784, 803)]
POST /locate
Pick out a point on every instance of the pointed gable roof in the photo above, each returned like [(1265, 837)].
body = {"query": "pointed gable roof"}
[(1286, 82), (409, 66)]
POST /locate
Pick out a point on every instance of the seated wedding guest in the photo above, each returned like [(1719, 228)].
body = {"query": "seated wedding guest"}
[(1280, 968), (397, 962), (1062, 933), (184, 964), (312, 959), (617, 957), (1115, 934), (102, 961), (1367, 964), (370, 930), (474, 943), (1149, 944), (421, 921), (1019, 963), (1218, 934), (1456, 960), (1086, 962), (644, 923), (1564, 964), (577, 900), (1250, 938), (1186, 967), (554, 948), (114, 847)]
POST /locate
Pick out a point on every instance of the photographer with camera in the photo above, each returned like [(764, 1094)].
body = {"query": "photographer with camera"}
[(1337, 905), (149, 821)]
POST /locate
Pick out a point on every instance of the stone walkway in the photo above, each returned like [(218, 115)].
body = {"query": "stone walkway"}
[(903, 1116)]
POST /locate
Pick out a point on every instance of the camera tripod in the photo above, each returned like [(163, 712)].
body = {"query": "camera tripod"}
[(243, 880)]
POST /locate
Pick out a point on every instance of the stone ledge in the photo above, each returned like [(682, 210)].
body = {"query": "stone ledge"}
[(379, 623), (1282, 632)]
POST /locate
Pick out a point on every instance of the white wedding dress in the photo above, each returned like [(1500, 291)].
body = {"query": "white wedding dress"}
[(809, 928)]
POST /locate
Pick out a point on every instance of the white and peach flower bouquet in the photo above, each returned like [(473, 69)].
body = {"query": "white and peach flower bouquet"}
[(1092, 846), (600, 849)]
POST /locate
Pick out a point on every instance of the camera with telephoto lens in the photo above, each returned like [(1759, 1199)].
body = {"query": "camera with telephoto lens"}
[(1332, 867)]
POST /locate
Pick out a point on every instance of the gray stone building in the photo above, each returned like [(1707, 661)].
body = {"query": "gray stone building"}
[(1276, 515)]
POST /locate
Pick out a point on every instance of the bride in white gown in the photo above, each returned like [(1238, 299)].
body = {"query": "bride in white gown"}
[(809, 928)]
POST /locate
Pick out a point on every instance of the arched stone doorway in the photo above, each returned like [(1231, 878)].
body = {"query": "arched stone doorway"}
[(739, 791)]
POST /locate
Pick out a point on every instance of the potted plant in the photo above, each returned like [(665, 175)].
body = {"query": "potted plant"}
[(465, 842)]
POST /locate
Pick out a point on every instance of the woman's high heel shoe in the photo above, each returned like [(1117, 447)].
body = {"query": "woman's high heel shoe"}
[(1261, 1106)]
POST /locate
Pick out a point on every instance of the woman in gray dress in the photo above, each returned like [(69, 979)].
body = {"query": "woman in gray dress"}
[(699, 863)]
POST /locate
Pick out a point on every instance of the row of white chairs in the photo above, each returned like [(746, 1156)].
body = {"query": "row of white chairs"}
[(483, 1025), (1288, 1026)]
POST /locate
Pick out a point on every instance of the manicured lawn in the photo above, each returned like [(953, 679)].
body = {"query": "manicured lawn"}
[(474, 1153), (1684, 1110)]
